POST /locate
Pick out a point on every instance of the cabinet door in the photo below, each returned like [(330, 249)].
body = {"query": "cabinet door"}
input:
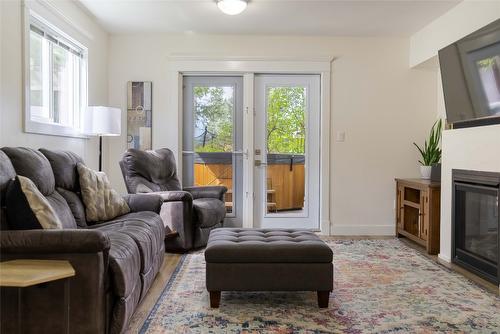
[(399, 206), (424, 215)]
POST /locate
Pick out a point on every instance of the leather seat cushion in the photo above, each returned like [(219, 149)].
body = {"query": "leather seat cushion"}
[(145, 229), (236, 245), (124, 263), (150, 220), (208, 211)]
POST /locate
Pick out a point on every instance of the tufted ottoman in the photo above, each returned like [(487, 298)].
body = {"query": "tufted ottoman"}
[(267, 260)]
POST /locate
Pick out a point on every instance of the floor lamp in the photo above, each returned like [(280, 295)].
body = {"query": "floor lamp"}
[(102, 122)]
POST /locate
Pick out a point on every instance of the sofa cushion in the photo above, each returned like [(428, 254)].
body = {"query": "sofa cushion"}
[(237, 245), (67, 181), (62, 209), (125, 263), (150, 220), (7, 173), (27, 208), (76, 206), (101, 201), (145, 228), (208, 211), (63, 164), (33, 165)]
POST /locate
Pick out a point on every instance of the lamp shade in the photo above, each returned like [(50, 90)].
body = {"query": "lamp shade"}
[(102, 121)]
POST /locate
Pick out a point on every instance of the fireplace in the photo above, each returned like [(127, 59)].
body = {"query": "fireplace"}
[(476, 222)]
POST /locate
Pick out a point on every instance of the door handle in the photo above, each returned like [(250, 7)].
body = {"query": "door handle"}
[(244, 153), (259, 163)]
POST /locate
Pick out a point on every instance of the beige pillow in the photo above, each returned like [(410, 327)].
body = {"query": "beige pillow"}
[(43, 211), (101, 201)]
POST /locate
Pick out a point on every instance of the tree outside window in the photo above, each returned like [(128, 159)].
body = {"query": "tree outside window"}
[(285, 119)]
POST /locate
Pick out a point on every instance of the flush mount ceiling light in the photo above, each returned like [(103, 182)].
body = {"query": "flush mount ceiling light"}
[(232, 7)]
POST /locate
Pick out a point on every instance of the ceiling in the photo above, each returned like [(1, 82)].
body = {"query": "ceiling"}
[(279, 17)]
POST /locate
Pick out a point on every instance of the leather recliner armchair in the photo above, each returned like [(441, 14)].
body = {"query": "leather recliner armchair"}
[(192, 212)]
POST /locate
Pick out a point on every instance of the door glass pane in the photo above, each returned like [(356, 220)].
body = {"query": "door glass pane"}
[(213, 109), (285, 149)]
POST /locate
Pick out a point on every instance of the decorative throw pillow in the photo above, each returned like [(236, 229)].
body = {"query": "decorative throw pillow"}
[(27, 208), (101, 201)]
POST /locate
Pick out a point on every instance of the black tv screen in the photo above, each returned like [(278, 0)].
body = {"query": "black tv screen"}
[(470, 72)]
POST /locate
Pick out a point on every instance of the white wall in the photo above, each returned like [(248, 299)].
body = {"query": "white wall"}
[(69, 18), (473, 149), (463, 19), (464, 148), (381, 104)]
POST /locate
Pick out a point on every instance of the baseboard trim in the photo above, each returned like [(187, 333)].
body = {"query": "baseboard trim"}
[(368, 230), (324, 227), (444, 258)]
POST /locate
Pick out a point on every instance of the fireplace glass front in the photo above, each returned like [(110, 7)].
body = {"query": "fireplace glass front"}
[(476, 227)]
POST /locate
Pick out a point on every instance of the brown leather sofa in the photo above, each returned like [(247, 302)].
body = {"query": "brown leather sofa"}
[(115, 261)]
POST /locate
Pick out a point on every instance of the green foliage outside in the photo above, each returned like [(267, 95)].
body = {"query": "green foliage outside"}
[(285, 120), (213, 120)]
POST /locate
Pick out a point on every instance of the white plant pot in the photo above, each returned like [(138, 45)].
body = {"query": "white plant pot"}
[(425, 172)]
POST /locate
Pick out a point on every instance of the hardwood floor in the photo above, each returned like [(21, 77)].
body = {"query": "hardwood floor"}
[(171, 261), (142, 312)]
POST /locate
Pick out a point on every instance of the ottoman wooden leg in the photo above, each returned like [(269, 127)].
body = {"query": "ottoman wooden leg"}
[(215, 299), (323, 297)]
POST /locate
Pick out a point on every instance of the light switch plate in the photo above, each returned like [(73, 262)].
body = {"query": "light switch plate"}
[(340, 136)]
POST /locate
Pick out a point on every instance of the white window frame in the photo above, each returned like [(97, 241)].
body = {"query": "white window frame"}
[(31, 124)]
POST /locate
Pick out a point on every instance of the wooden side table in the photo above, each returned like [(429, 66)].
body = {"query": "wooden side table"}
[(20, 274), (418, 213)]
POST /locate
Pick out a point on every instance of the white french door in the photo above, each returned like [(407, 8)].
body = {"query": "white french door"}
[(287, 151), (285, 146), (213, 137)]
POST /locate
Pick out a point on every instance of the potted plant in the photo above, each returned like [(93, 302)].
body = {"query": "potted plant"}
[(431, 152)]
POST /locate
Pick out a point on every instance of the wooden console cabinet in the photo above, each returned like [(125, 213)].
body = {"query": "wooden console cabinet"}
[(418, 212)]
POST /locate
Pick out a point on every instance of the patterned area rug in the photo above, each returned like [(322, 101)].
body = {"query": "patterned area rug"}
[(381, 286)]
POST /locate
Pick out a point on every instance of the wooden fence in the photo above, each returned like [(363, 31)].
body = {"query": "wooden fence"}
[(285, 178)]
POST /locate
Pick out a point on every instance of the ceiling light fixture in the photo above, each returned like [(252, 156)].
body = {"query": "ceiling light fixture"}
[(232, 7)]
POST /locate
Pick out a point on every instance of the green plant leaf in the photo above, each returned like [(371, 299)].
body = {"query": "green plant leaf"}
[(431, 152)]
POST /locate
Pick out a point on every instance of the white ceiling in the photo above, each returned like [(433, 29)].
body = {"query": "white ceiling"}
[(283, 17)]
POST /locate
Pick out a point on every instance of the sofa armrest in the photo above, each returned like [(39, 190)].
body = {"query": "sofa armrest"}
[(54, 241), (87, 251), (174, 196), (207, 192), (177, 215), (144, 202)]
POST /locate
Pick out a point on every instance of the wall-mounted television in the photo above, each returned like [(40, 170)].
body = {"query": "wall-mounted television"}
[(470, 72)]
